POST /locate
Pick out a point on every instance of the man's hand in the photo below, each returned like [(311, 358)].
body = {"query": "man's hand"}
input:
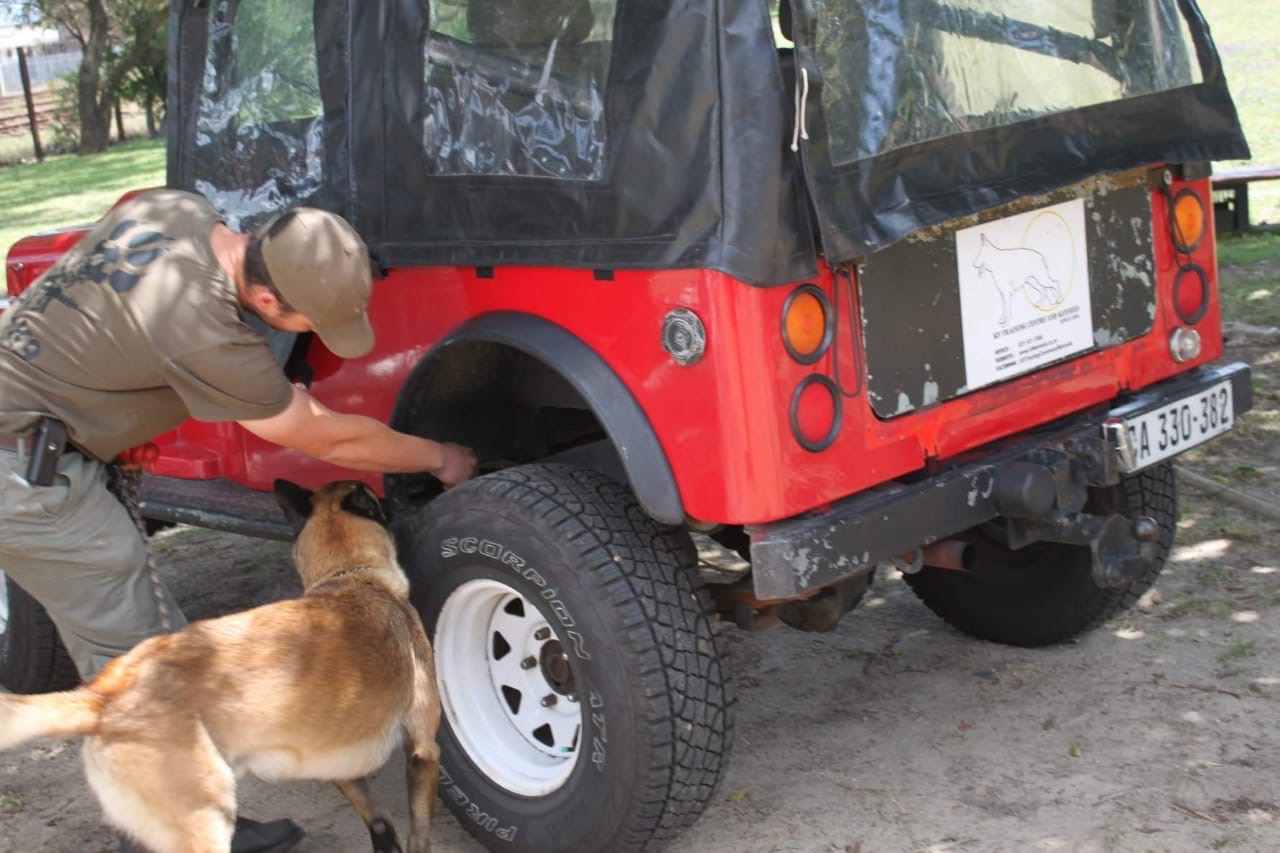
[(360, 442), (459, 464)]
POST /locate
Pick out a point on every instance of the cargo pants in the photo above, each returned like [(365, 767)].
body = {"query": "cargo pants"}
[(74, 548)]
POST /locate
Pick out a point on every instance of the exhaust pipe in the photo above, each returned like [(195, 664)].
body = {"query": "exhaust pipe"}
[(947, 554)]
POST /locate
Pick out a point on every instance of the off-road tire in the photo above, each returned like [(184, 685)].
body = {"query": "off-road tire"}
[(1045, 593), (32, 658), (656, 735)]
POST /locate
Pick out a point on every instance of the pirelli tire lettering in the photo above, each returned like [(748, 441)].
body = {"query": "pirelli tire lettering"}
[(459, 801)]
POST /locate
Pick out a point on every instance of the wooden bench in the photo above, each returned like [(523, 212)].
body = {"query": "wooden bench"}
[(1231, 195)]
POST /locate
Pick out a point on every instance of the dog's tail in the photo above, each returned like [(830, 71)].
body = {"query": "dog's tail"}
[(22, 718)]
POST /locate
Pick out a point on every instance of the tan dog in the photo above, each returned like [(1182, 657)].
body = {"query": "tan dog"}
[(320, 687)]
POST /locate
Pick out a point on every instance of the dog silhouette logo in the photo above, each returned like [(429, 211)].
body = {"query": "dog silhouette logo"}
[(1018, 269)]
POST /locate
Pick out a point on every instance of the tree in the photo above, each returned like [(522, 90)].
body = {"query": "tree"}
[(148, 81), (97, 25)]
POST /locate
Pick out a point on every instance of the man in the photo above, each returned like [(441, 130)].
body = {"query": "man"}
[(138, 327)]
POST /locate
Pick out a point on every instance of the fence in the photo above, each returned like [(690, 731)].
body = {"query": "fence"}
[(13, 113), (43, 68)]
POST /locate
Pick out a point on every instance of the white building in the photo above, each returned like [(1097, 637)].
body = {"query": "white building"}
[(49, 56)]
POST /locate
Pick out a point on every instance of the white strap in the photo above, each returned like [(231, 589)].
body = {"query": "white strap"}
[(800, 131)]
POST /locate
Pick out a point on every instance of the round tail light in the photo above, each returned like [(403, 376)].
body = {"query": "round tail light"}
[(1184, 345), (1188, 221), (806, 323), (815, 413), (1191, 294)]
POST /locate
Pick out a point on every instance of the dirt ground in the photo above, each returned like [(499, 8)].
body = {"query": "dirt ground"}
[(1158, 732)]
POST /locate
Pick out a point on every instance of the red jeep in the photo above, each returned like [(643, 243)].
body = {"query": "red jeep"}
[(844, 286)]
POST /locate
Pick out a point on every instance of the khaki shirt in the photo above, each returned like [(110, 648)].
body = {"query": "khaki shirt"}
[(134, 330)]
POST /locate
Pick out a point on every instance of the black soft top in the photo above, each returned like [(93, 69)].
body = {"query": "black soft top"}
[(657, 134)]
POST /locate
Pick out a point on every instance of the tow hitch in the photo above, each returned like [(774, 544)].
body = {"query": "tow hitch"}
[(1123, 549), (1042, 499)]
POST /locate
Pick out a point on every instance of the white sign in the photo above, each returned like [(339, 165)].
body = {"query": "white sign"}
[(1024, 292)]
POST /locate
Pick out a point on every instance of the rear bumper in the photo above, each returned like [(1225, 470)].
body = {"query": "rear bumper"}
[(801, 554)]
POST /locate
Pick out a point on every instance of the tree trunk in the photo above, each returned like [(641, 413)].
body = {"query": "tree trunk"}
[(152, 130), (119, 120), (94, 112), (95, 119)]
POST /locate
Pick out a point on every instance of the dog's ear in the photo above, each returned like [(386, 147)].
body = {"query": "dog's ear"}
[(363, 502), (294, 500)]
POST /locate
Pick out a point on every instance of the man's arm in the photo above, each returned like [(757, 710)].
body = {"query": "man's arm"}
[(360, 443)]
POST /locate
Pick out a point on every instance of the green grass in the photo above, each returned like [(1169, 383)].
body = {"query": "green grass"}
[(1245, 33), (69, 189), (1249, 277), (1248, 249)]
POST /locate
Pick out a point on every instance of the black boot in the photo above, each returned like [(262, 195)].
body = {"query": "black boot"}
[(275, 836)]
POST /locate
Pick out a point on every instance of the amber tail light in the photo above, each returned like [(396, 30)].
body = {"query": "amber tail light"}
[(1188, 221), (806, 324)]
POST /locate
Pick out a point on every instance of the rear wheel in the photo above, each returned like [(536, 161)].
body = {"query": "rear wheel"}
[(32, 658), (586, 706), (1045, 593)]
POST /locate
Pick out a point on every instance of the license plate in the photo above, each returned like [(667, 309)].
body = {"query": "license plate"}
[(1179, 425)]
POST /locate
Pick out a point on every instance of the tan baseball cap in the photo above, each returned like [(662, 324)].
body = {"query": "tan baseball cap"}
[(321, 268)]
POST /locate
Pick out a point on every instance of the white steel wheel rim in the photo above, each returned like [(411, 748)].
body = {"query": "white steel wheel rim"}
[(4, 605), (507, 687)]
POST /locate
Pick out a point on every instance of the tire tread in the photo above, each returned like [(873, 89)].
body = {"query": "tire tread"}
[(33, 659), (642, 570)]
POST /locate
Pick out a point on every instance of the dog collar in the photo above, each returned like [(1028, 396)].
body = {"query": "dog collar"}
[(350, 571)]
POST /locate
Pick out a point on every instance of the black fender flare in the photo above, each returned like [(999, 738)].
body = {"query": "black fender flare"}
[(647, 468)]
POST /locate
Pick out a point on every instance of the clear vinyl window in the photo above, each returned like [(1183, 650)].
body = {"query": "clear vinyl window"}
[(259, 125), (901, 72), (517, 88)]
